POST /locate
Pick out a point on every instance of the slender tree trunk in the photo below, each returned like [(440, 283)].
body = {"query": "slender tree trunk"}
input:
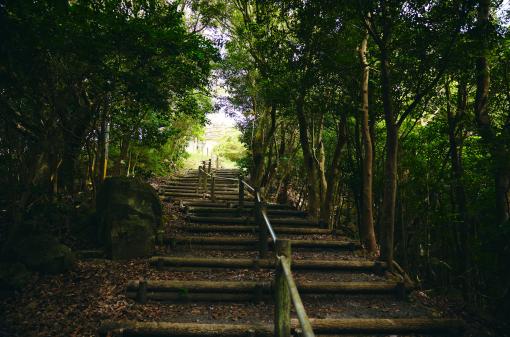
[(366, 228), (121, 164), (262, 139), (310, 167), (464, 225), (103, 142), (499, 150), (333, 175), (390, 172)]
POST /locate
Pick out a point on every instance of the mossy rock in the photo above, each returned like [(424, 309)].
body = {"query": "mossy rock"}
[(43, 253), (13, 276), (129, 215), (84, 229)]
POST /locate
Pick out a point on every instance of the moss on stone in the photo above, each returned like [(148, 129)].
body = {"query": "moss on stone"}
[(43, 253), (129, 215)]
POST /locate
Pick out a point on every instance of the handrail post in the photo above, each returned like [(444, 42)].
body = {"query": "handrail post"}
[(199, 179), (213, 183), (204, 180), (260, 207), (209, 167), (241, 195), (141, 295), (282, 293)]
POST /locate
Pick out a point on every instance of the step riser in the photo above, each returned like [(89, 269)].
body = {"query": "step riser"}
[(254, 244), (247, 205), (229, 211), (162, 262), (258, 288), (253, 229), (194, 190), (251, 221), (446, 327), (194, 196)]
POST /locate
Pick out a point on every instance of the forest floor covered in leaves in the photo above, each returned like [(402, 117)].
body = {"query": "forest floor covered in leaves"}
[(75, 303)]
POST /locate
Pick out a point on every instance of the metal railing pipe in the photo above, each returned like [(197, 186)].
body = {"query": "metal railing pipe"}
[(303, 319)]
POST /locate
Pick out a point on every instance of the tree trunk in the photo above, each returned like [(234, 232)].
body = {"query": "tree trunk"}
[(262, 139), (104, 141), (463, 228), (333, 175), (390, 179), (314, 197), (366, 228), (121, 164), (499, 151)]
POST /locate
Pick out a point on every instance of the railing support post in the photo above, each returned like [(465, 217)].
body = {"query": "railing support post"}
[(204, 179), (240, 206), (141, 295), (260, 207), (213, 183), (199, 179), (282, 293), (209, 167)]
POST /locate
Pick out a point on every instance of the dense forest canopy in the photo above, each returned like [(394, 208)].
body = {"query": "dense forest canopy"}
[(387, 120)]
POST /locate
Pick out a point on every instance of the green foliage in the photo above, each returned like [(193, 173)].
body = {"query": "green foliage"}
[(231, 148)]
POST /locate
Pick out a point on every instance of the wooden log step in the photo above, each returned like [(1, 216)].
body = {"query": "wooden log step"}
[(247, 204), (219, 186), (197, 228), (222, 196), (252, 242), (162, 290), (195, 183), (194, 196), (230, 210), (338, 265), (450, 327), (91, 254), (424, 325), (195, 178), (146, 329), (295, 222), (194, 189)]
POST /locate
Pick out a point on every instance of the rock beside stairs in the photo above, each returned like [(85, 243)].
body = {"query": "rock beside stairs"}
[(129, 214)]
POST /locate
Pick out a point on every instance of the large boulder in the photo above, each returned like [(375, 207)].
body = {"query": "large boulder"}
[(43, 253), (13, 276), (129, 215)]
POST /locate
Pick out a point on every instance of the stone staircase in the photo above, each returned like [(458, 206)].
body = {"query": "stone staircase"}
[(216, 254)]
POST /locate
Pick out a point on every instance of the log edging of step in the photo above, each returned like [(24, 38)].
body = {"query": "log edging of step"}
[(164, 290), (253, 229), (248, 220), (453, 327), (132, 328), (252, 242), (344, 265)]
